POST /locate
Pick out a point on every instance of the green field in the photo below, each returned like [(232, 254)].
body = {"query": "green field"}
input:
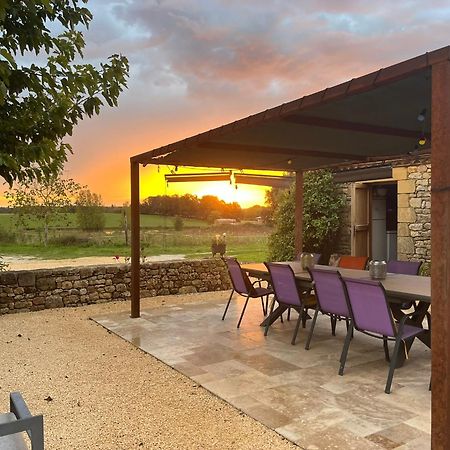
[(112, 220), (247, 242)]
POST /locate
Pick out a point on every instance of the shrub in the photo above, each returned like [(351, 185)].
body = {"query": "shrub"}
[(323, 205), (7, 236), (178, 223), (89, 209), (70, 239)]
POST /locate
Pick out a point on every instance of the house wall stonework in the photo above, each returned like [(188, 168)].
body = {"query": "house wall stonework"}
[(414, 212), (33, 290)]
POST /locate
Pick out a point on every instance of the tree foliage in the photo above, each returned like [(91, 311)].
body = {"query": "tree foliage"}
[(42, 203), (178, 223), (191, 206), (89, 210), (323, 204), (42, 101), (282, 240)]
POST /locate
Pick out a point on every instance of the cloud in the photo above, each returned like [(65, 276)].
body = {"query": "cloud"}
[(198, 64)]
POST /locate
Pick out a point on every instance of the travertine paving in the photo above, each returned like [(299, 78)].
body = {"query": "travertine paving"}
[(296, 392)]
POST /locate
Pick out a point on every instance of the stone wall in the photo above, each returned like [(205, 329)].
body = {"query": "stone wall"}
[(34, 290), (414, 212)]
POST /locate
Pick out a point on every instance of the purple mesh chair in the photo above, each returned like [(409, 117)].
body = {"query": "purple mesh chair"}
[(331, 300), (286, 294), (370, 314), (243, 286), (405, 268)]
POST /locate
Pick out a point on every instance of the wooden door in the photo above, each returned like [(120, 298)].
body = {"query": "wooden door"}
[(360, 220)]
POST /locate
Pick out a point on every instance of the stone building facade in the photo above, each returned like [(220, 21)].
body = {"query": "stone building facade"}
[(413, 181), (33, 290)]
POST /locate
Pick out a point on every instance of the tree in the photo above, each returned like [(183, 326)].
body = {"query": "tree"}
[(125, 220), (282, 240), (323, 205), (42, 203), (178, 223), (89, 209), (40, 103)]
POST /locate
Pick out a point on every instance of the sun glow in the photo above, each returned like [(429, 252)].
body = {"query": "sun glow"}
[(153, 183), (245, 195)]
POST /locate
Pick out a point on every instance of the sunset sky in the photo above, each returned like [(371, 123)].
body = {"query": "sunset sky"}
[(199, 64)]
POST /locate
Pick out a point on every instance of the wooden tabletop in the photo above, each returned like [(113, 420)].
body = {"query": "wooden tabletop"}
[(408, 287)]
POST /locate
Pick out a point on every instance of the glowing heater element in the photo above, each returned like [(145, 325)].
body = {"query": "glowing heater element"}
[(263, 180), (190, 177)]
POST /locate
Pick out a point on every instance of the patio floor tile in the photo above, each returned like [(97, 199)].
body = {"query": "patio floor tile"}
[(296, 392)]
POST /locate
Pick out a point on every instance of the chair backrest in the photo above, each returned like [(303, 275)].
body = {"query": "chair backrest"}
[(283, 284), (330, 291), (353, 262), (404, 267), (239, 278), (368, 307)]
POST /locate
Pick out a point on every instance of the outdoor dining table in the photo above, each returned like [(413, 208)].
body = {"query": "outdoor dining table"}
[(399, 289)]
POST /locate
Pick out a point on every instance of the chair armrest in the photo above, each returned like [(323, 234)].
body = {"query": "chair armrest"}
[(33, 425)]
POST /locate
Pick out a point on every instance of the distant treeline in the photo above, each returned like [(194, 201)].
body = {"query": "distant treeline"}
[(209, 207)]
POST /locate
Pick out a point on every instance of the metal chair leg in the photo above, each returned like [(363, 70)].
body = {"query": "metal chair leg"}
[(243, 311), (333, 320), (228, 304), (386, 349), (394, 358), (311, 331), (289, 314), (268, 322), (263, 307), (297, 325), (344, 353)]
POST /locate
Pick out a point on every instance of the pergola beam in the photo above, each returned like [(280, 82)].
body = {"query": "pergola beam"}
[(293, 152), (298, 212), (440, 249), (354, 126), (135, 241)]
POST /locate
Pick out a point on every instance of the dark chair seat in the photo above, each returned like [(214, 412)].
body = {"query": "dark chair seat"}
[(261, 291), (410, 331)]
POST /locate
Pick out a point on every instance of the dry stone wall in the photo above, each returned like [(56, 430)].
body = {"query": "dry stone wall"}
[(34, 290)]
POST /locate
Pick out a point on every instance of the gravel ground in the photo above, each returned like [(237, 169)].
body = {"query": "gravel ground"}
[(96, 391)]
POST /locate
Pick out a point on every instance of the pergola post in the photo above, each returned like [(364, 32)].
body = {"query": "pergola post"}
[(440, 249), (298, 212), (135, 242)]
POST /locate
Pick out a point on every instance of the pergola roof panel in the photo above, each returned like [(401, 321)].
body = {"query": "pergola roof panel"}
[(379, 109)]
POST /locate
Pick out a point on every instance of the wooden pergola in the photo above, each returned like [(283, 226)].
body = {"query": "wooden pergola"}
[(372, 117)]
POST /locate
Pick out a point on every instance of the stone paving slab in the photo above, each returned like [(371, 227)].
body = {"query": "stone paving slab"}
[(297, 393)]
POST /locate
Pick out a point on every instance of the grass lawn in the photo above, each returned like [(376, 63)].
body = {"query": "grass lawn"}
[(247, 243), (112, 220)]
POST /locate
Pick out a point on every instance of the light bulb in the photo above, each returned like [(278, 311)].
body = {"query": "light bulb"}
[(421, 116)]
